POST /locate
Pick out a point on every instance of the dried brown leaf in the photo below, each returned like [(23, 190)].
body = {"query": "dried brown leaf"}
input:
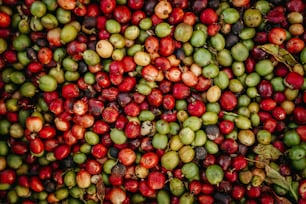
[(100, 189), (281, 200)]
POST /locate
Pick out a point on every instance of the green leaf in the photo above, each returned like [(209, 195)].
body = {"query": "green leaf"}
[(289, 179), (276, 178), (280, 54), (267, 152)]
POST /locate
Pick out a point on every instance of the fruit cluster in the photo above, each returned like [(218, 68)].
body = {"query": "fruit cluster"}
[(152, 101)]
